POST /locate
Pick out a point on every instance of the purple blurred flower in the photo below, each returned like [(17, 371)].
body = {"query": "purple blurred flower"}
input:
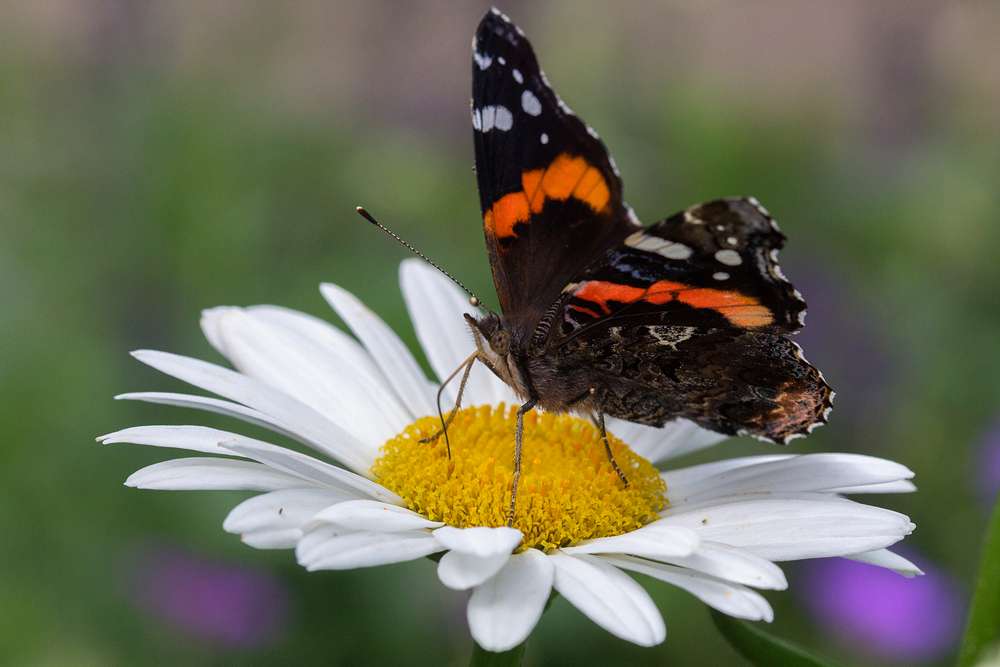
[(988, 464), (881, 612), (237, 607), (843, 338)]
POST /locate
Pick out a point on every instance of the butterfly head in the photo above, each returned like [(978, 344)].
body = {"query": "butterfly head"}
[(497, 345)]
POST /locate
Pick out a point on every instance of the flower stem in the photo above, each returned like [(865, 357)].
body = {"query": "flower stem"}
[(483, 658)]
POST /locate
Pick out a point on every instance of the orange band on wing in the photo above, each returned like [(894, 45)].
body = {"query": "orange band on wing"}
[(748, 316), (662, 292), (740, 309), (714, 298), (601, 292), (592, 189), (565, 177), (507, 212)]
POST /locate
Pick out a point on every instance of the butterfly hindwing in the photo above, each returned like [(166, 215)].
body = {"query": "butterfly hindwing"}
[(550, 194), (726, 380), (683, 319), (713, 266)]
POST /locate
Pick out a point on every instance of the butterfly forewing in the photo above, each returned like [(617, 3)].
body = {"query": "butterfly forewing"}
[(550, 195)]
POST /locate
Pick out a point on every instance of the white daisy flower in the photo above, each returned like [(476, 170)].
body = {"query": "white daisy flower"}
[(715, 530)]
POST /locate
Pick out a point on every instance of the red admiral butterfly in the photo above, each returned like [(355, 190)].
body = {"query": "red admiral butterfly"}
[(602, 316)]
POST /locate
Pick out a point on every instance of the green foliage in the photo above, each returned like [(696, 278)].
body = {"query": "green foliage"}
[(983, 632), (761, 648)]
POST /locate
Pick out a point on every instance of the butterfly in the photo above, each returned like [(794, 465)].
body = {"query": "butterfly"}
[(601, 316)]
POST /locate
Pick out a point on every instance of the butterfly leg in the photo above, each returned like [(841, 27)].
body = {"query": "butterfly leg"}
[(458, 403), (604, 436), (518, 437)]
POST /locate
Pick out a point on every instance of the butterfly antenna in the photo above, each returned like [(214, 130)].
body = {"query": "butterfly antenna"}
[(473, 299)]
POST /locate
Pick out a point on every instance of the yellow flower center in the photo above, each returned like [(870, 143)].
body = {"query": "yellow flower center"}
[(568, 489)]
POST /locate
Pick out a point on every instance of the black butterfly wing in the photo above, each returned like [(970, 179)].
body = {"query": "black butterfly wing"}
[(712, 266), (684, 319), (730, 381), (550, 194)]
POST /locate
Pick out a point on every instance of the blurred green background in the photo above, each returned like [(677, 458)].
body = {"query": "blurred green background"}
[(158, 158)]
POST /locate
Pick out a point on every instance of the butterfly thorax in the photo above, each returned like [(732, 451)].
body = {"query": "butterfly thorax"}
[(504, 347)]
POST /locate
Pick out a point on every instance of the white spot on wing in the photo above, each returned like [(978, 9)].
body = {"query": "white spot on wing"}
[(504, 119), (545, 138), (502, 60), (517, 76), (732, 240), (642, 241), (721, 275), (756, 204), (530, 103), (729, 257), (633, 218), (611, 161), (492, 117), (482, 59)]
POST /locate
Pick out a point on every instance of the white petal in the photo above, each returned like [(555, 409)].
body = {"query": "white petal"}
[(332, 548), (308, 468), (368, 515), (476, 554), (793, 526), (900, 486), (479, 541), (887, 559), (731, 599), (460, 572), (314, 362), (730, 563), (359, 369), (609, 597), (503, 611), (214, 405), (214, 441), (657, 540), (690, 476), (275, 520), (810, 472), (437, 309), (386, 350), (199, 473), (193, 438), (671, 440), (316, 429)]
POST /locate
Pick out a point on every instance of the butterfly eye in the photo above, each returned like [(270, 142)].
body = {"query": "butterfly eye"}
[(500, 341)]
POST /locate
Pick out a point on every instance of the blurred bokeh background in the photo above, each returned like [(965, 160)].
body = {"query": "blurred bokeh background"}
[(161, 157)]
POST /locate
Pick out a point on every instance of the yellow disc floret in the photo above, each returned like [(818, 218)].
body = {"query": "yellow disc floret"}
[(568, 489)]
